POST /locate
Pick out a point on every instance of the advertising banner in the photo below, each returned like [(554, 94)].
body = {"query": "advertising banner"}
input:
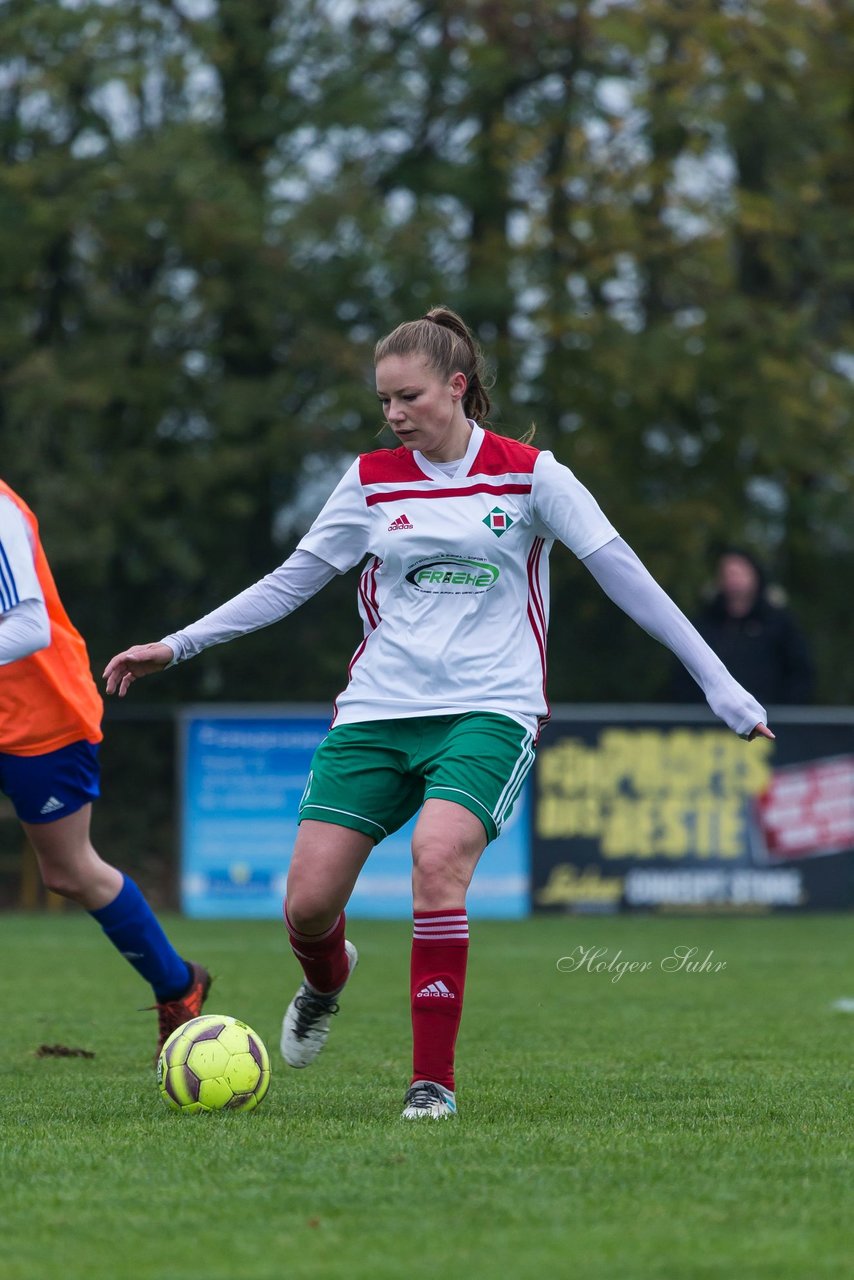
[(662, 809), (243, 772)]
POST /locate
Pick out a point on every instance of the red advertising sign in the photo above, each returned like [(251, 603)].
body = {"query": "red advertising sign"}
[(807, 810)]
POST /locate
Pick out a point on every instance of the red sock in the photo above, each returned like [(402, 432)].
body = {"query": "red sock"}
[(440, 948), (322, 955)]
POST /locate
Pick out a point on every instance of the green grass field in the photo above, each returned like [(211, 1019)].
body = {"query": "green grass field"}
[(670, 1125)]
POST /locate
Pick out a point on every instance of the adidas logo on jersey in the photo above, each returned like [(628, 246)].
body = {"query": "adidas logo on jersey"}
[(51, 805), (436, 988), (402, 522)]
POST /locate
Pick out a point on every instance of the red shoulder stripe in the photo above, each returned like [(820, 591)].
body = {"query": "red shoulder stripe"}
[(499, 455), (385, 466)]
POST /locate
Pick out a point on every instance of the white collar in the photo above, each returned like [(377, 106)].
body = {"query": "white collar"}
[(466, 463)]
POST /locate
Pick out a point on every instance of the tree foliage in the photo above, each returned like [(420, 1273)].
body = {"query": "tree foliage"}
[(211, 209)]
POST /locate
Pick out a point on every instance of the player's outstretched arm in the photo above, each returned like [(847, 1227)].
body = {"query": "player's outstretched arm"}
[(137, 661), (623, 578)]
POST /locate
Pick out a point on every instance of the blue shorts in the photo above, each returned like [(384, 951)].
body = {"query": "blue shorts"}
[(44, 788)]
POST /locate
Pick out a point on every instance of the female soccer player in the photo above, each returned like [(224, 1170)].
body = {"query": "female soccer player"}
[(50, 728), (446, 692)]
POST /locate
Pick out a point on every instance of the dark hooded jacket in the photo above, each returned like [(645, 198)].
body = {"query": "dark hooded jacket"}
[(765, 651)]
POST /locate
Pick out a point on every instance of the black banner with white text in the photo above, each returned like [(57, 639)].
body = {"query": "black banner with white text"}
[(656, 809)]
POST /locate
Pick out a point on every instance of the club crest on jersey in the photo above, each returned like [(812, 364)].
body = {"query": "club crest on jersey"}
[(402, 522), (452, 575), (498, 521)]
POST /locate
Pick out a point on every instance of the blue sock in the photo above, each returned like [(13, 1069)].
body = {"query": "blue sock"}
[(132, 927)]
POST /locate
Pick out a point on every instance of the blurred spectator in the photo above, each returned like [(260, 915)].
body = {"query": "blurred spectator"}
[(755, 636)]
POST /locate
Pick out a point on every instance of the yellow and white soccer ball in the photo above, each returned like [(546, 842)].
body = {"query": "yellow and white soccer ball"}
[(213, 1063)]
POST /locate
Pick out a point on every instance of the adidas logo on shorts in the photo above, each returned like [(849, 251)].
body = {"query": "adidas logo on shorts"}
[(51, 805)]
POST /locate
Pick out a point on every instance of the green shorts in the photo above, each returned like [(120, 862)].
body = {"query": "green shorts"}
[(374, 776)]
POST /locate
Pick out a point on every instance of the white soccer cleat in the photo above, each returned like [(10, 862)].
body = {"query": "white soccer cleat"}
[(425, 1098), (305, 1027)]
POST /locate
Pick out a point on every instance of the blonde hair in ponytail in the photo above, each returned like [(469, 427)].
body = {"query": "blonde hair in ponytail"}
[(447, 343)]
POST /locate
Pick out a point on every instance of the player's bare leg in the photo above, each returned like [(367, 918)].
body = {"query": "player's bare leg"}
[(446, 847), (71, 866), (324, 868)]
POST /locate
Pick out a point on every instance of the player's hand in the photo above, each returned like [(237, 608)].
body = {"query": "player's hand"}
[(140, 660), (761, 731)]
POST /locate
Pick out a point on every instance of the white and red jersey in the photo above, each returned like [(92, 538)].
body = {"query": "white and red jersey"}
[(454, 594)]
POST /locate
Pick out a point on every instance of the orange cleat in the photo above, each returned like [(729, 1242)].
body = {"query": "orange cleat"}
[(172, 1014)]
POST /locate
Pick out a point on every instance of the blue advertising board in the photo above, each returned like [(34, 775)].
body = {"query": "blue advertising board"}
[(243, 772)]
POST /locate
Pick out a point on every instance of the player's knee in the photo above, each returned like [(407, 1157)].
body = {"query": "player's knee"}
[(63, 881), (437, 877), (309, 912)]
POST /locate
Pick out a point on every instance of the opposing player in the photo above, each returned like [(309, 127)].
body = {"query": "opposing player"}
[(446, 692), (50, 728)]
